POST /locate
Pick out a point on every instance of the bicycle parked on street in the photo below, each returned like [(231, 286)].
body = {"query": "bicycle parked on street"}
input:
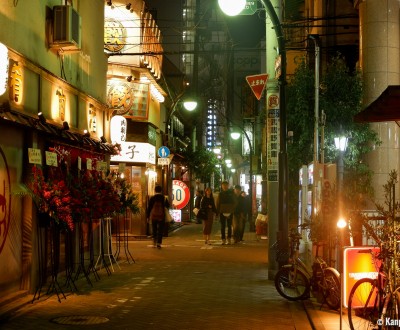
[(294, 281), (375, 303)]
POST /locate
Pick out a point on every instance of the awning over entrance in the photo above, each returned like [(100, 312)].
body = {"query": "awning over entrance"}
[(385, 108), (54, 132)]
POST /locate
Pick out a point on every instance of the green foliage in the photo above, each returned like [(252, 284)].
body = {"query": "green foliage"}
[(340, 96), (202, 163), (128, 199)]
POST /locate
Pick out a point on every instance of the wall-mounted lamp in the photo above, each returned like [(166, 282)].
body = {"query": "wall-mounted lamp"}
[(109, 3), (42, 118), (129, 78), (103, 139), (86, 133), (65, 126), (128, 6)]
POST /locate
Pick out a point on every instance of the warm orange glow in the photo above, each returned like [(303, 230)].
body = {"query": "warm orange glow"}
[(358, 263)]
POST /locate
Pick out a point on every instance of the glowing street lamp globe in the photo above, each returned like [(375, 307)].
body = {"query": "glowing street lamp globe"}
[(235, 135), (232, 7), (190, 105), (341, 223)]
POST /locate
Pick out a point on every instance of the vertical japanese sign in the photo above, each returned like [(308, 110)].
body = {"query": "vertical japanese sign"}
[(272, 136)]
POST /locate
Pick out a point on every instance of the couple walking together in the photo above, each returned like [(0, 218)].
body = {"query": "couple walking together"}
[(231, 208)]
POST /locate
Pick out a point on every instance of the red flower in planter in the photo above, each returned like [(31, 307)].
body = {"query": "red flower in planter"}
[(52, 197)]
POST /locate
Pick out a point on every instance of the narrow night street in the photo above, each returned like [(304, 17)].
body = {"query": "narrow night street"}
[(185, 285)]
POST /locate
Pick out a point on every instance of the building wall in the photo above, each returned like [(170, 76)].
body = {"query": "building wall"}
[(380, 64), (11, 155), (27, 33), (45, 77)]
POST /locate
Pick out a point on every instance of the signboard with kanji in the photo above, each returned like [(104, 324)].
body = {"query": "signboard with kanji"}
[(257, 84), (250, 8), (129, 99)]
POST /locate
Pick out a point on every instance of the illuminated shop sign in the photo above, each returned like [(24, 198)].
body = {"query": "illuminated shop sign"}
[(3, 68), (118, 129), (136, 152), (358, 263), (129, 99), (16, 83)]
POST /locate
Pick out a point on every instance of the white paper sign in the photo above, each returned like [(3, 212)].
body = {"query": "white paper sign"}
[(101, 166), (163, 161), (51, 158), (89, 164), (79, 163), (34, 155)]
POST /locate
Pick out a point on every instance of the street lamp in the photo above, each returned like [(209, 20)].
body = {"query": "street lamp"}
[(232, 8), (236, 135), (189, 104), (283, 159), (341, 145)]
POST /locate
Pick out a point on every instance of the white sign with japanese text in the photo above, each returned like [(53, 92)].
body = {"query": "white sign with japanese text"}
[(51, 159), (163, 161), (34, 155), (136, 152)]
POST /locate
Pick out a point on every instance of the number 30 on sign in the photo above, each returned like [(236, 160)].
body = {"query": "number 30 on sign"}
[(180, 194)]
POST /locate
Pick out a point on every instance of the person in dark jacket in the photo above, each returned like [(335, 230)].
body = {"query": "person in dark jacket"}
[(238, 215), (157, 221), (207, 211), (225, 209), (197, 200)]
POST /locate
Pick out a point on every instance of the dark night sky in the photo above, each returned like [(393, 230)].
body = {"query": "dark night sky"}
[(246, 31)]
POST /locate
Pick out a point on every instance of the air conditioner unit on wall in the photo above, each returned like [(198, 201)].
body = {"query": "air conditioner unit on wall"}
[(66, 29)]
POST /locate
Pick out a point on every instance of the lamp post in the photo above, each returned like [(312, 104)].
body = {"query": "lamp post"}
[(341, 224), (341, 145), (283, 159), (188, 103), (235, 136)]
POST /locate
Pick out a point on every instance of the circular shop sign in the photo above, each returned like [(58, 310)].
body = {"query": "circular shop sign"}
[(180, 194)]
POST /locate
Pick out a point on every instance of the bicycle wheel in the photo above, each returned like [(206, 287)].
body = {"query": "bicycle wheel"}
[(390, 316), (292, 285), (363, 305), (331, 289)]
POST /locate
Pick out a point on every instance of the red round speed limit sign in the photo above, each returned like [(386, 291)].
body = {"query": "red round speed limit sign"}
[(180, 194)]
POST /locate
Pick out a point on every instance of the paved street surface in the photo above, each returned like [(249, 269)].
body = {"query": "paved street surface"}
[(184, 285)]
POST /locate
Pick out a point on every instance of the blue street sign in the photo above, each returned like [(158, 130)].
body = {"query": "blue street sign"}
[(163, 152)]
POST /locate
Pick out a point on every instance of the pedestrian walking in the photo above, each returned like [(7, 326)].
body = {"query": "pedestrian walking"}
[(197, 200), (225, 208), (156, 215), (207, 211), (238, 215), (248, 216)]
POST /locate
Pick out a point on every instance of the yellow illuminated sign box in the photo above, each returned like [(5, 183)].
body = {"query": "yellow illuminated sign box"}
[(358, 263)]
